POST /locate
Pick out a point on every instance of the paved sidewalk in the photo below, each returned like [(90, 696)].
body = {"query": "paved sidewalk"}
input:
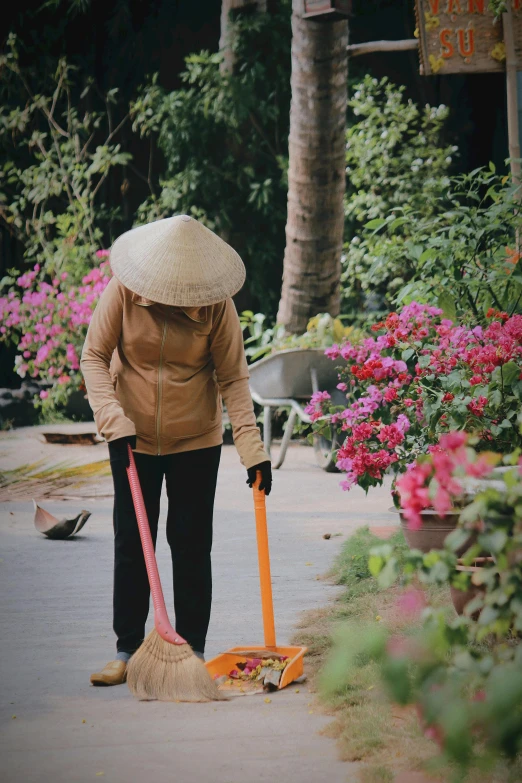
[(55, 610)]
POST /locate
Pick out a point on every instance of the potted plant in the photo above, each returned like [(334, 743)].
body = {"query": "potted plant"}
[(447, 667)]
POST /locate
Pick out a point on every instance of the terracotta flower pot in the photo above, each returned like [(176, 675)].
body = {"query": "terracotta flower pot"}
[(433, 532), (461, 598)]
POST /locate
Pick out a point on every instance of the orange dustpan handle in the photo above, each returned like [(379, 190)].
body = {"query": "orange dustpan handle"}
[(264, 564), (161, 620)]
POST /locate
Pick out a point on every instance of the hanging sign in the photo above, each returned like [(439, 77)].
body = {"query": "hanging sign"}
[(461, 36)]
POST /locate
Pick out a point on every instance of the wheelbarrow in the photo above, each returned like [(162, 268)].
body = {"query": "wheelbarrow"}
[(287, 379), (235, 657)]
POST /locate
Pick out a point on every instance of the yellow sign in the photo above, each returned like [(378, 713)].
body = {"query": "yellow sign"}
[(461, 36)]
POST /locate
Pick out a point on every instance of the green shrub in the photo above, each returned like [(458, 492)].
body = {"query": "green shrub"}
[(465, 256), (224, 138), (395, 159), (58, 152)]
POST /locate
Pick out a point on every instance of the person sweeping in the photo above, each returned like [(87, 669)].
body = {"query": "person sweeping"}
[(164, 346)]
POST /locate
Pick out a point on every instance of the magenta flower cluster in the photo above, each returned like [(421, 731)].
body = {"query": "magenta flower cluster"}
[(50, 320), (421, 377), (435, 482)]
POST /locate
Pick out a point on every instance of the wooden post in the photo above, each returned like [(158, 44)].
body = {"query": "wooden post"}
[(511, 88)]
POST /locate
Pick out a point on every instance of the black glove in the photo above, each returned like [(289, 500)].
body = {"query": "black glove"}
[(266, 476), (118, 451)]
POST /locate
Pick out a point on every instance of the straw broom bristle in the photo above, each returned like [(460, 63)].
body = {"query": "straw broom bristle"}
[(169, 672)]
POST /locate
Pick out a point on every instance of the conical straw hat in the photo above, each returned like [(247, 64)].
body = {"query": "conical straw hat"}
[(177, 261)]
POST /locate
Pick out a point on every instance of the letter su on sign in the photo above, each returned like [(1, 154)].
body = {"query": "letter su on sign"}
[(459, 36)]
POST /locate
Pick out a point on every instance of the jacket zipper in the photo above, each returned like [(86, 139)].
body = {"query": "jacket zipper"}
[(158, 414)]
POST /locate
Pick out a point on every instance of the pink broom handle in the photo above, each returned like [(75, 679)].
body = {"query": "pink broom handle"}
[(161, 620)]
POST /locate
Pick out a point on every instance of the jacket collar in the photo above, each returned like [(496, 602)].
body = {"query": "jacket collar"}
[(141, 300), (197, 314)]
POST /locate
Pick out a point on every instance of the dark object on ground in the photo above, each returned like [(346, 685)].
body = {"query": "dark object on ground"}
[(72, 438), (52, 527), (16, 405)]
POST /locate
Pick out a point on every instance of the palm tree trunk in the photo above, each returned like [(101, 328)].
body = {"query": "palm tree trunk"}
[(316, 176), (225, 40)]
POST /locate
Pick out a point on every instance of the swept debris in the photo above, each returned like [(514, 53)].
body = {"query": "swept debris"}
[(52, 527)]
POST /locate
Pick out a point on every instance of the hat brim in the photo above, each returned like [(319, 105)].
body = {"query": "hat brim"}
[(177, 261)]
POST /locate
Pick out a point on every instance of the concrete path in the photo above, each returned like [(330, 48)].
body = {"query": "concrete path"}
[(55, 614)]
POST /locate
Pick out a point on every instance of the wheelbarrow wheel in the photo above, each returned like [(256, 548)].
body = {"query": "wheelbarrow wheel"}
[(326, 453)]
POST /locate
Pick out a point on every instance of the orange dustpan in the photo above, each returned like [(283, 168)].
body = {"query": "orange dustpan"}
[(225, 662)]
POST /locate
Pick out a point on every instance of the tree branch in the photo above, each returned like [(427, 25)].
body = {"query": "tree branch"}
[(116, 129), (355, 50)]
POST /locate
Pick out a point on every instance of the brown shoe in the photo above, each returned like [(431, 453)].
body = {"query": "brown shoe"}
[(115, 673)]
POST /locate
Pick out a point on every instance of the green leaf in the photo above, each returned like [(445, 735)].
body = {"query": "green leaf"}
[(456, 539), (488, 615), (426, 255), (447, 304), (494, 541), (388, 574), (375, 224), (495, 398), (407, 354), (510, 373), (375, 564)]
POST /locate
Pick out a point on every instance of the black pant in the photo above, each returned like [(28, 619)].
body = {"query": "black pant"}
[(191, 483)]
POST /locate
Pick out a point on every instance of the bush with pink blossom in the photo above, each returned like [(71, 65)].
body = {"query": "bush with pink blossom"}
[(468, 665), (48, 321), (419, 377), (462, 672)]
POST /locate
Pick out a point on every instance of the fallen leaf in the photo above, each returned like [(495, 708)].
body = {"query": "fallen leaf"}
[(327, 536), (378, 618), (370, 688), (310, 712), (99, 774), (267, 700), (84, 721), (308, 564), (297, 690), (14, 717)]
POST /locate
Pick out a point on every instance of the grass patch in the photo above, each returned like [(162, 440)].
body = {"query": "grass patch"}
[(387, 738), (33, 479)]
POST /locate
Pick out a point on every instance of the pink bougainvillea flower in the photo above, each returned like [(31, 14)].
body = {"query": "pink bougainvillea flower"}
[(411, 602), (315, 407), (333, 352), (477, 406), (453, 440)]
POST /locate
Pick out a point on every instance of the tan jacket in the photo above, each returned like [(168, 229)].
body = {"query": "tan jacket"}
[(159, 372)]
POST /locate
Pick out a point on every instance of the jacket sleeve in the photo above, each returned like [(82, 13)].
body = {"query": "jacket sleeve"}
[(102, 338), (228, 354)]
